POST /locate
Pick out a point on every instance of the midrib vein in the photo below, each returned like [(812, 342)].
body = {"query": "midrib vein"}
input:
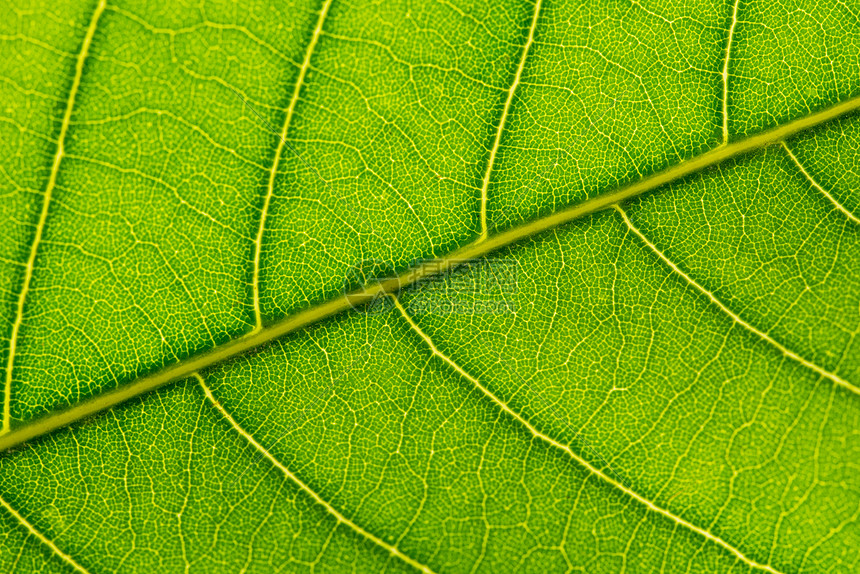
[(42, 538), (474, 250), (566, 449), (43, 214), (735, 317), (341, 519), (485, 185), (279, 151)]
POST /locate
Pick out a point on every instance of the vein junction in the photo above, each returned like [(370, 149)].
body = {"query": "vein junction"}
[(504, 119), (43, 215), (369, 293), (567, 450), (282, 142), (341, 519)]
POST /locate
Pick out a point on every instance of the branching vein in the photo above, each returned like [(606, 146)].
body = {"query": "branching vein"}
[(42, 538), (817, 186), (588, 466), (735, 317), (341, 519), (282, 142), (475, 250), (725, 73), (504, 119), (43, 215)]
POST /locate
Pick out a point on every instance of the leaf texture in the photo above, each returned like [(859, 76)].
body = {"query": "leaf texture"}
[(616, 381)]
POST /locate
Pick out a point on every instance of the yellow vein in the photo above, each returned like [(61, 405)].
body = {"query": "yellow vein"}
[(310, 492), (43, 215), (42, 538), (501, 128), (282, 142), (726, 73), (815, 184), (736, 318), (370, 292), (552, 442)]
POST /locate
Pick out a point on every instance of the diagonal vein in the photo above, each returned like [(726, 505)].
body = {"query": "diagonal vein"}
[(341, 519), (504, 119), (279, 151), (43, 215), (817, 186), (42, 538), (427, 268), (735, 317), (567, 450)]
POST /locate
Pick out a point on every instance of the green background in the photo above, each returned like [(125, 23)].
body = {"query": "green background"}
[(676, 391)]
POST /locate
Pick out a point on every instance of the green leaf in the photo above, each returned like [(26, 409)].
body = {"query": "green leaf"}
[(487, 287)]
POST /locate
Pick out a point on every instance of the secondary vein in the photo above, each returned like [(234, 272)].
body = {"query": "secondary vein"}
[(279, 151), (853, 218), (504, 119), (368, 293), (43, 215), (725, 74), (42, 538), (341, 519), (735, 317), (567, 450)]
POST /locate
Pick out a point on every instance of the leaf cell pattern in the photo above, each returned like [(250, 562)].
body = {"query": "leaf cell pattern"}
[(669, 385)]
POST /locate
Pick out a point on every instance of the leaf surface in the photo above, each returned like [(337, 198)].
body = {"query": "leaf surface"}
[(648, 363)]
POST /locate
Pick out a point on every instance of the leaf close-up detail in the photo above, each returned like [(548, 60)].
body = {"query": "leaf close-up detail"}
[(518, 286)]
